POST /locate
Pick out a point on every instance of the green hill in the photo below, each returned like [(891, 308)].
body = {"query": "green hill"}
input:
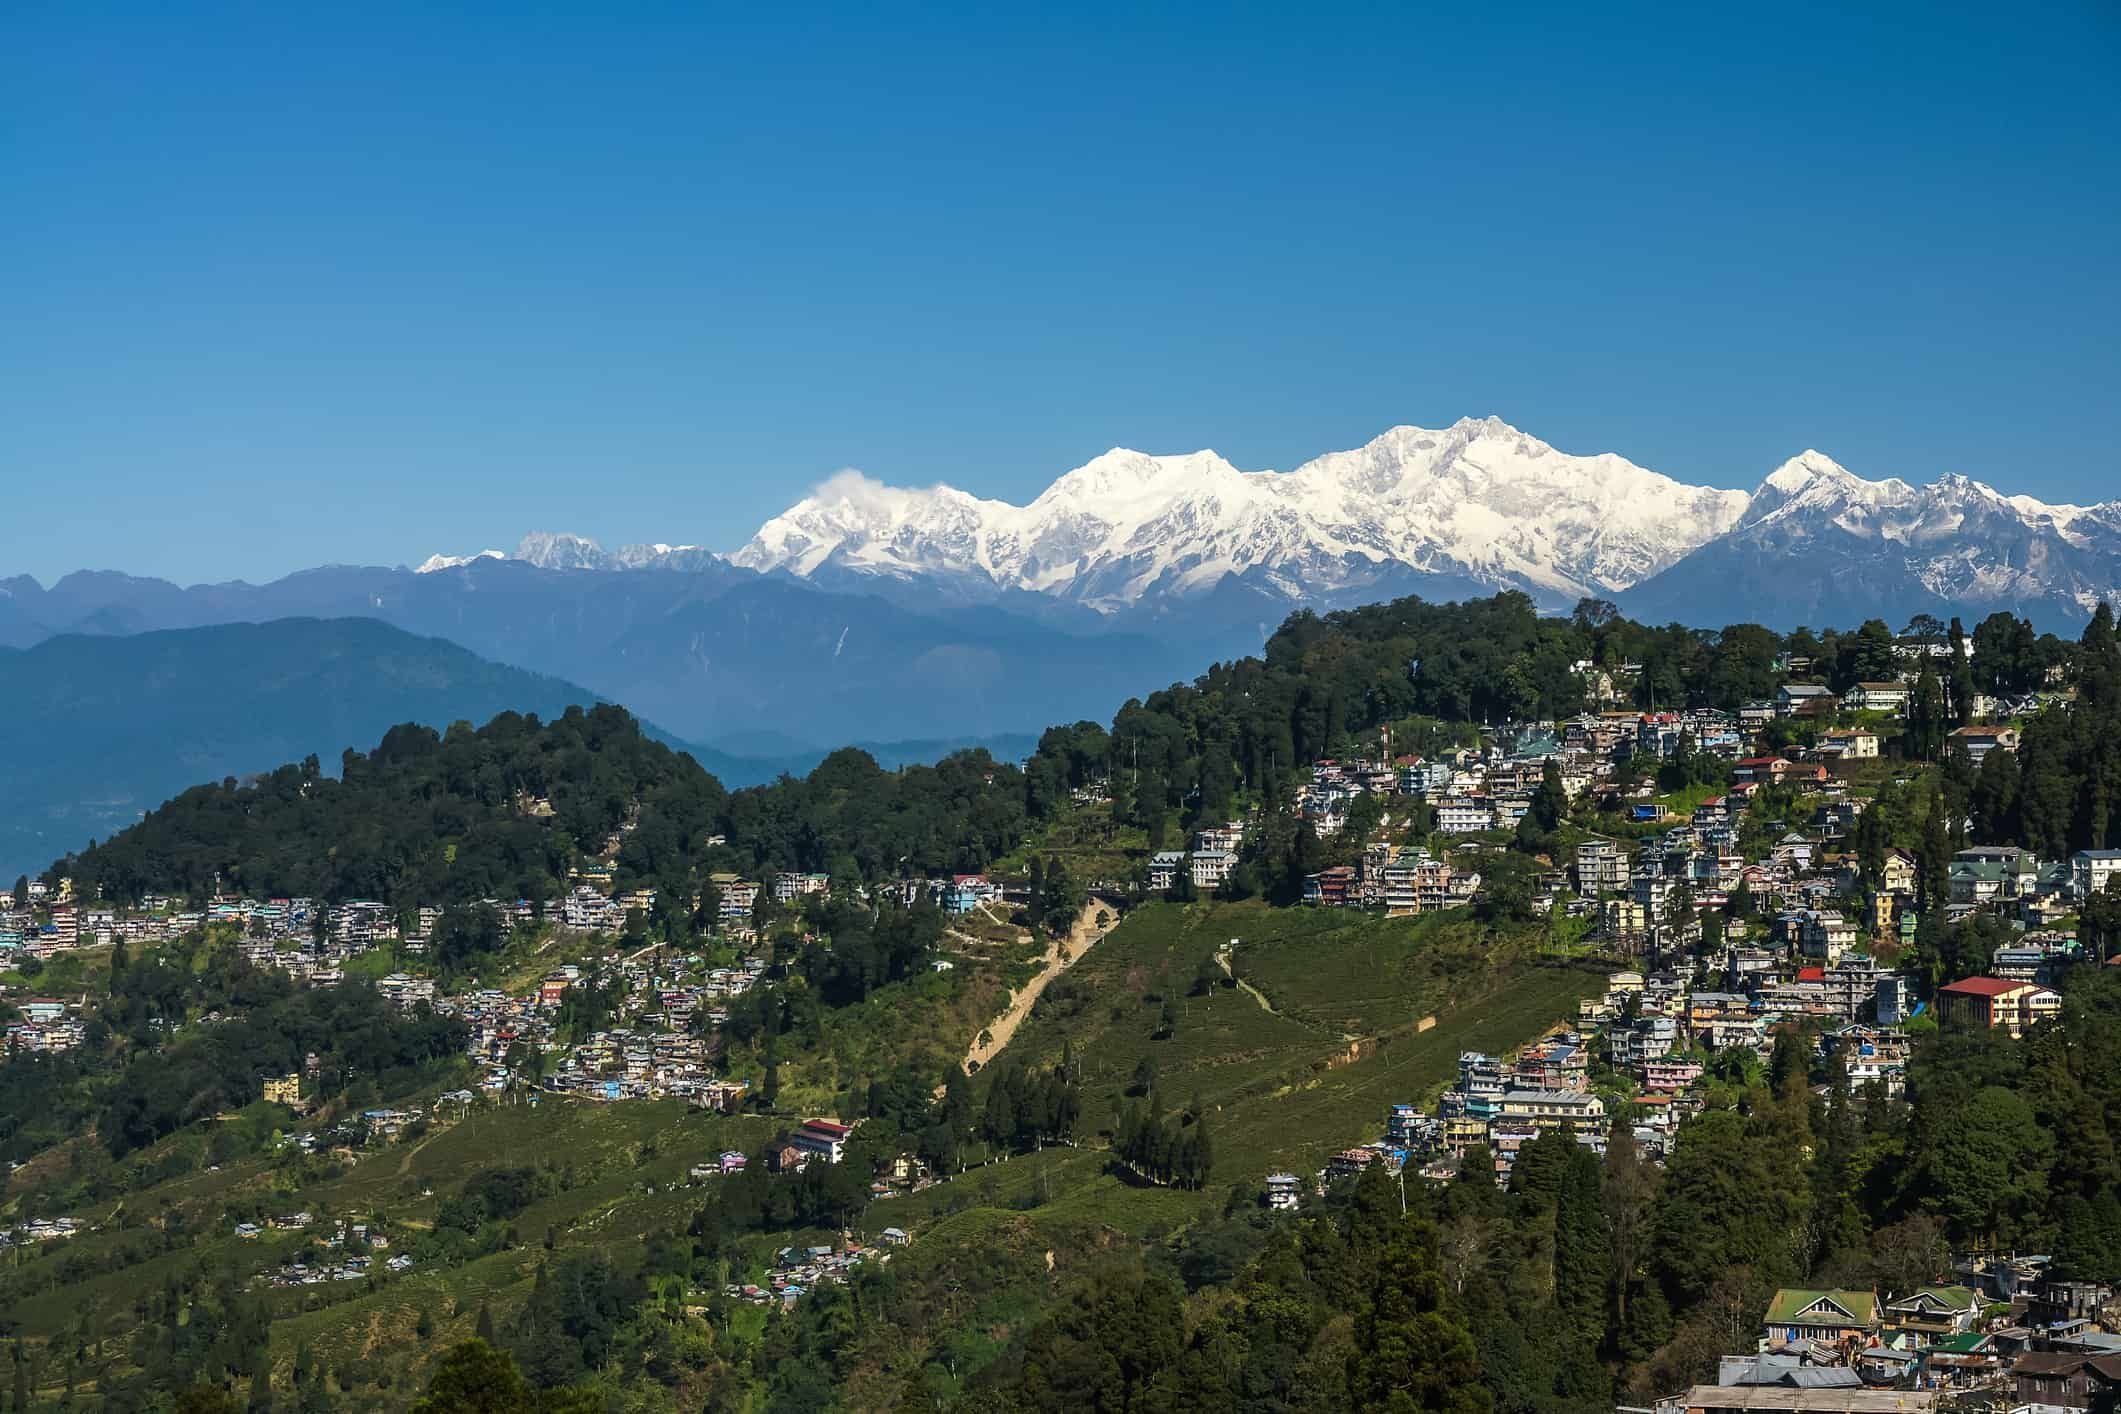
[(99, 730)]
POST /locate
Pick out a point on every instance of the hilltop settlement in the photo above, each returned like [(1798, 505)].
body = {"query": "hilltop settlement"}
[(1828, 1132)]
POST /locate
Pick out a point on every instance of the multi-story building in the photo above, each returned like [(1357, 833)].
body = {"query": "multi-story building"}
[(1210, 867), (2093, 871), (2000, 1003), (1332, 888), (1824, 936), (1601, 868), (1410, 881), (1464, 815), (1550, 1109)]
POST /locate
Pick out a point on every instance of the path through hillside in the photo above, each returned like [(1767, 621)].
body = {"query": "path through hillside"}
[(1222, 960), (1061, 955)]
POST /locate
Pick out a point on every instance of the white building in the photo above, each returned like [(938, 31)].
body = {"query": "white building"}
[(1210, 867), (1463, 815), (1284, 1191), (2092, 871)]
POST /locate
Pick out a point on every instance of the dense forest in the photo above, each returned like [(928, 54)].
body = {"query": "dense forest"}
[(506, 810)]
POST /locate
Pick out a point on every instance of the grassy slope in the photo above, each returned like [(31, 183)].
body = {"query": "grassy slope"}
[(1318, 1072), (1282, 1088), (618, 1153)]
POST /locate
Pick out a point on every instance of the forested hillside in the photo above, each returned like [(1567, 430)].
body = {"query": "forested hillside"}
[(505, 810), (96, 729)]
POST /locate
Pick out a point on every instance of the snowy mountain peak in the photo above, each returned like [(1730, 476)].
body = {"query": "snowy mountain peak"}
[(563, 551), (1467, 508), (1812, 485), (1477, 500), (559, 551), (450, 562), (1820, 542), (1805, 469)]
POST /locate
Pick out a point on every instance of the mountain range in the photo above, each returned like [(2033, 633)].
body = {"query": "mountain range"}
[(1473, 507), (1818, 544), (1478, 503), (1189, 545), (708, 652), (868, 612)]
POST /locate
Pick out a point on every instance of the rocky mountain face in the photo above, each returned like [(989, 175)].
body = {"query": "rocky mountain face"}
[(1819, 544)]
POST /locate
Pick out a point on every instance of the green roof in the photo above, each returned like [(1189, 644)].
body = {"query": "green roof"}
[(1791, 1304), (1959, 1298), (1966, 1343)]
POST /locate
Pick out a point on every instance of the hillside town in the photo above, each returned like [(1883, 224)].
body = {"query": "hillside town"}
[(1729, 869), (1745, 931)]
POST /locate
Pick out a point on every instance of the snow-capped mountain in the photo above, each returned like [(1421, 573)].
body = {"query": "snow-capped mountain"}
[(562, 551), (1478, 503), (1463, 510), (1819, 544), (450, 562)]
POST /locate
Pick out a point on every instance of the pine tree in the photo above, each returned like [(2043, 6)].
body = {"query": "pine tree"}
[(1960, 678), (1934, 859), (1412, 1349), (1550, 804), (1582, 1256), (1926, 715)]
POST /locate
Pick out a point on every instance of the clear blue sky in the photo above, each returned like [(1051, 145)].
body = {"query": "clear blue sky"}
[(283, 287)]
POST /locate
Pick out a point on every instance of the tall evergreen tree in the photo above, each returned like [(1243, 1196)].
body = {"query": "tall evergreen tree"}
[(1413, 1352)]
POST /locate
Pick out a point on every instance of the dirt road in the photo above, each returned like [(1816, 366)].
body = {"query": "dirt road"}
[(1060, 956), (1222, 960)]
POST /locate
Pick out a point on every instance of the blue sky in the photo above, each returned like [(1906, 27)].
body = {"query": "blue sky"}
[(285, 286)]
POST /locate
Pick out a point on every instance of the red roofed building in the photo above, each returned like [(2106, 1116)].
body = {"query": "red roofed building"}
[(824, 1138), (1999, 1002)]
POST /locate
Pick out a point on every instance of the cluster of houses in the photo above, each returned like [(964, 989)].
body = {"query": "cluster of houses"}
[(2001, 1333), (299, 1273), (37, 1230), (1397, 879), (1472, 790), (44, 1024), (1653, 1032), (653, 1048), (359, 1243), (797, 1271)]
